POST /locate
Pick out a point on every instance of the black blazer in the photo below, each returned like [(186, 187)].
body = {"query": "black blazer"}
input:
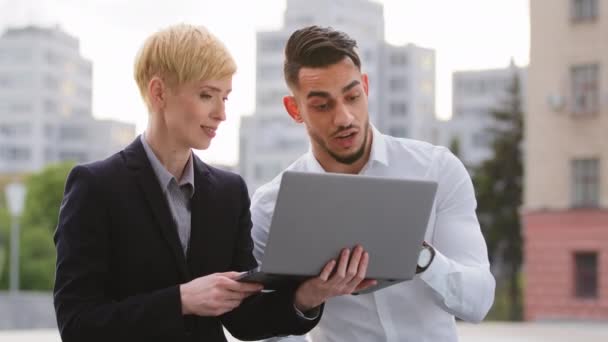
[(120, 262)]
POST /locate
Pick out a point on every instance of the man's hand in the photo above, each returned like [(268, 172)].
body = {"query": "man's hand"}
[(215, 294), (349, 277)]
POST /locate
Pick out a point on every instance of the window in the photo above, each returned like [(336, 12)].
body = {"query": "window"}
[(271, 98), (15, 108), (14, 153), (397, 84), (398, 59), (50, 107), (80, 111), (427, 87), (368, 55), (398, 109), (49, 131), (50, 82), (5, 81), (305, 20), (16, 55), (271, 72), (585, 182), (14, 81), (7, 130), (271, 44), (583, 10), (585, 89), (585, 274), (71, 133), (52, 58), (427, 62)]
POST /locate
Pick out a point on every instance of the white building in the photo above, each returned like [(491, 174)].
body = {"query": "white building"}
[(475, 94), (402, 85), (45, 103)]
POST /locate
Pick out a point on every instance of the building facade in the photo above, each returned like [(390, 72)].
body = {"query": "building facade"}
[(565, 211), (475, 95), (401, 94), (45, 103)]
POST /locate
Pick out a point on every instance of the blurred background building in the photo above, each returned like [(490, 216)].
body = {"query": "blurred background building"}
[(401, 93), (45, 103), (475, 94), (565, 214)]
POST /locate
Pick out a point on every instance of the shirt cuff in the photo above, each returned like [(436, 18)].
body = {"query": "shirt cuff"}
[(434, 275), (310, 315)]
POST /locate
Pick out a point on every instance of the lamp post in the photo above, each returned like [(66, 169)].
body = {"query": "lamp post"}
[(15, 198)]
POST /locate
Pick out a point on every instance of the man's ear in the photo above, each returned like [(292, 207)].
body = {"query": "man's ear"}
[(157, 93), (365, 80), (292, 108)]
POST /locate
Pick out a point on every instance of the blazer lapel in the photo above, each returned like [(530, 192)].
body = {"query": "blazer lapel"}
[(137, 160), (202, 248)]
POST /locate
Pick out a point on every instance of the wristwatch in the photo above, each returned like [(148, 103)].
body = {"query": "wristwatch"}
[(425, 258)]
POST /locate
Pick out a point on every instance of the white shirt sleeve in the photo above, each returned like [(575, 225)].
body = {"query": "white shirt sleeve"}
[(262, 207), (460, 272)]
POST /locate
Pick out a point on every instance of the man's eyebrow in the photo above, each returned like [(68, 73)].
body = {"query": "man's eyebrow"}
[(350, 86)]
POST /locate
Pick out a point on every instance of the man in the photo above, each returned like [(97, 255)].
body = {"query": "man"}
[(329, 97), (150, 241)]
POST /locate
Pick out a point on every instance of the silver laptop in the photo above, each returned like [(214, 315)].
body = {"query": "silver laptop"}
[(318, 214)]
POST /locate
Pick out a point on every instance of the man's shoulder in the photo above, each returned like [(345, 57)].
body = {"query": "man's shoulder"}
[(266, 195), (420, 152)]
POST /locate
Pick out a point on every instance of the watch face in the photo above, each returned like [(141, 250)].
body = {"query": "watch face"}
[(424, 259)]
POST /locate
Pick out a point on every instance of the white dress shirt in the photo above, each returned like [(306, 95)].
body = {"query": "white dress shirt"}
[(458, 281)]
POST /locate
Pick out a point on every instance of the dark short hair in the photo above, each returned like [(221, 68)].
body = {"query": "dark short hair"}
[(315, 46)]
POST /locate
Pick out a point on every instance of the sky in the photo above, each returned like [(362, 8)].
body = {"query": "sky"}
[(466, 34)]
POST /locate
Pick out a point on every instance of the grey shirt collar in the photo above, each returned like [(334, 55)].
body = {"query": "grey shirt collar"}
[(163, 175)]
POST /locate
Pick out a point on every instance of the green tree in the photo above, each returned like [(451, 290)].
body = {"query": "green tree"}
[(44, 195), (4, 242), (39, 220), (498, 183), (455, 146)]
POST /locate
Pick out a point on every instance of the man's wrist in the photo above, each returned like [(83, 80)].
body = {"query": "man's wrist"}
[(304, 305)]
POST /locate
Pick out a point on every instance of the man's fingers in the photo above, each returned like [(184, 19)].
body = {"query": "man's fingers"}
[(363, 262), (326, 272), (354, 264), (367, 283), (342, 265)]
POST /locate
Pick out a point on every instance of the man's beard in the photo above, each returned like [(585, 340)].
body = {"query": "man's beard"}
[(351, 158)]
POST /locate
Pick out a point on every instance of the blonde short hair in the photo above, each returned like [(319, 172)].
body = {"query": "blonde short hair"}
[(180, 54)]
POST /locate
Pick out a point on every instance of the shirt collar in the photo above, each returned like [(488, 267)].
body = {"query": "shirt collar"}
[(163, 175), (377, 154)]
